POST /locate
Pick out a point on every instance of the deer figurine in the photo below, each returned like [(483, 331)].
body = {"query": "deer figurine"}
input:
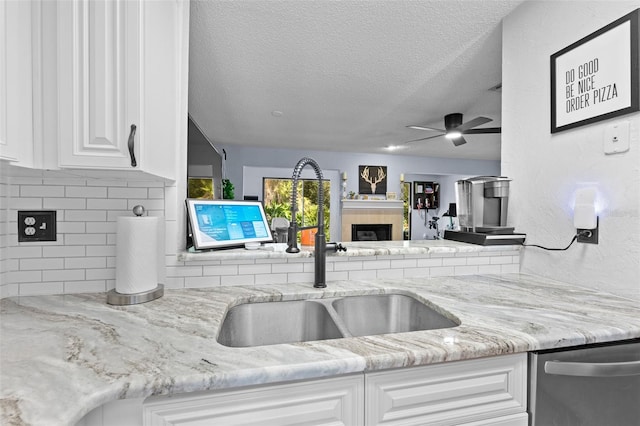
[(380, 176)]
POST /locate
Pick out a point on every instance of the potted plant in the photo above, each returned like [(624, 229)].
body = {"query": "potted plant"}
[(227, 190)]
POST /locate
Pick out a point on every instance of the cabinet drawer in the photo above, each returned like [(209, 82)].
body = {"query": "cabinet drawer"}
[(448, 394), (336, 401)]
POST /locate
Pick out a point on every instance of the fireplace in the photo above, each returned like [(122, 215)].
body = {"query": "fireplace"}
[(371, 232)]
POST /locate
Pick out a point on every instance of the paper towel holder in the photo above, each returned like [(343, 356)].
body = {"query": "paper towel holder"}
[(115, 298), (119, 299)]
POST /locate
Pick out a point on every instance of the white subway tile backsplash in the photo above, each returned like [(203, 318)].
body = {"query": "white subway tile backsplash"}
[(390, 273), (41, 288), (100, 274), (100, 227), (41, 191), (336, 276), (404, 263), (63, 203), (362, 275), (484, 260), (41, 264), (64, 275), (85, 215), (63, 251), (303, 277), (176, 282), (270, 279), (184, 271), (84, 256), (376, 264), (85, 192), (500, 260), (426, 263), (287, 267), (108, 250), (85, 286), (26, 252), (156, 193), (85, 262), (106, 204), (85, 239), (219, 270), (200, 282), (355, 265), (139, 193), (254, 269), (24, 203), (454, 261), (71, 227), (232, 280), (24, 276)]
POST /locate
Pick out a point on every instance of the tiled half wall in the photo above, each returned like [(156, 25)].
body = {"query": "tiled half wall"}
[(83, 257)]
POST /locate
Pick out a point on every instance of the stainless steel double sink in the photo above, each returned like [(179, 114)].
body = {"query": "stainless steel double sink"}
[(269, 323)]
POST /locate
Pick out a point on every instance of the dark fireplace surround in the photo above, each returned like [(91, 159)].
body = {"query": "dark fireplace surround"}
[(371, 232)]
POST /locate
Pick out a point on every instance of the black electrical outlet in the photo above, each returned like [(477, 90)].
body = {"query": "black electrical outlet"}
[(36, 226), (589, 236)]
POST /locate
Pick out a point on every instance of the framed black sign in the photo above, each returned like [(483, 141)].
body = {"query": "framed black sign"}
[(596, 78)]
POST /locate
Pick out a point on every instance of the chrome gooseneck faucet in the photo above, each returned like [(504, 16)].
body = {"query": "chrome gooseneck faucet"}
[(321, 245)]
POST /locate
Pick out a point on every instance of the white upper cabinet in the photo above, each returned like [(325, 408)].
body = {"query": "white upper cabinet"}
[(16, 82), (121, 81)]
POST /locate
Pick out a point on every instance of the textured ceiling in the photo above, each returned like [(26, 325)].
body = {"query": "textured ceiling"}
[(346, 75)]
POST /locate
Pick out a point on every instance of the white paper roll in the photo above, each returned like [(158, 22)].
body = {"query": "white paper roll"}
[(137, 254)]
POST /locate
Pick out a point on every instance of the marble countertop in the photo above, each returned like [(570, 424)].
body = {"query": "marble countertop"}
[(354, 248), (62, 356)]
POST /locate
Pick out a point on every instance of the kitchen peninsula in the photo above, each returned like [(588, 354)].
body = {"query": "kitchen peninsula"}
[(89, 353)]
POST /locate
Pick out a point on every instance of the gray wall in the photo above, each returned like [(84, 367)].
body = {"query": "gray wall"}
[(240, 156), (246, 166)]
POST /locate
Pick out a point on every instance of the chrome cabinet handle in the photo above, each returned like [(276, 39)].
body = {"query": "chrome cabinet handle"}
[(130, 143), (592, 369)]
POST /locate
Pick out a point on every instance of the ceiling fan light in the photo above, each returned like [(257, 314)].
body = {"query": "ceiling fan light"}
[(453, 135)]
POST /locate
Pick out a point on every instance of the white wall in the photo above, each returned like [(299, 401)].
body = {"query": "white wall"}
[(547, 169)]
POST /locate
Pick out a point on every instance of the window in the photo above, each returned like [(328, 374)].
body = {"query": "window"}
[(276, 194), (406, 201)]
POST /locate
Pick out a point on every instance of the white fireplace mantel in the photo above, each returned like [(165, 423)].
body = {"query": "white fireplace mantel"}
[(372, 204)]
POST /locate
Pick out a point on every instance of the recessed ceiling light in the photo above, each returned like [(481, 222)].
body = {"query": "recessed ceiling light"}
[(276, 113), (394, 147)]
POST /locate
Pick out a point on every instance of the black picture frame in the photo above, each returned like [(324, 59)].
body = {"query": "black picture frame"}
[(372, 180), (591, 81)]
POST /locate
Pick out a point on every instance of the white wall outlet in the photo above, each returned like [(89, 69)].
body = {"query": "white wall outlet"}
[(616, 138)]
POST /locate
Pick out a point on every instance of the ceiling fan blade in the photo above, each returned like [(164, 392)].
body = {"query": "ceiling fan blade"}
[(483, 130), (459, 141), (473, 123), (427, 128), (424, 139)]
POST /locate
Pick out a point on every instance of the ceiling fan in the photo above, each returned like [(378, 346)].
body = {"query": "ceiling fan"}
[(455, 128)]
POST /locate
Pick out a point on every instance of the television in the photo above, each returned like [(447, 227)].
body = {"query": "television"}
[(227, 223)]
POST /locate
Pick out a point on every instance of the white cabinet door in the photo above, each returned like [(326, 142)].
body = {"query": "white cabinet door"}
[(16, 82), (121, 84), (482, 391), (335, 401), (99, 59)]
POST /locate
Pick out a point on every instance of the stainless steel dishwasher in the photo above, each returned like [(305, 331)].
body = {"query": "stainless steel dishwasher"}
[(595, 385)]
